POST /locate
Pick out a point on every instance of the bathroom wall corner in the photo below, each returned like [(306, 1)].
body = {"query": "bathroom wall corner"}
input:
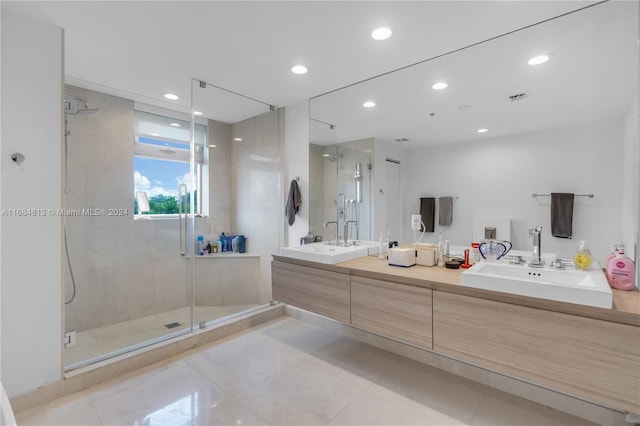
[(297, 165)]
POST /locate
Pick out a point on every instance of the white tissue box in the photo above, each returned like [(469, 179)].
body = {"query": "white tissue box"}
[(402, 257), (426, 257)]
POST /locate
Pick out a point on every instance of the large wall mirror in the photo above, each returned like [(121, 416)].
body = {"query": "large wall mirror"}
[(500, 131)]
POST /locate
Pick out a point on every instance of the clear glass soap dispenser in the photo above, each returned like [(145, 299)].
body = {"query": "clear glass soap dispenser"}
[(582, 258)]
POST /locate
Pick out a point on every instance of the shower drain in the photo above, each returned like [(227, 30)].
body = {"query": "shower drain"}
[(172, 325)]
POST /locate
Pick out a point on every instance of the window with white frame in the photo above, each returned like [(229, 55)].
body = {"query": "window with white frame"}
[(161, 171)]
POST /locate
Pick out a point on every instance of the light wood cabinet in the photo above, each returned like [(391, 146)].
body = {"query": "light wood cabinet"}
[(323, 292), (590, 358), (393, 310)]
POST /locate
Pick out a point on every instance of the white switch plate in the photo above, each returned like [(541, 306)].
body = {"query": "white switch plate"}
[(416, 220)]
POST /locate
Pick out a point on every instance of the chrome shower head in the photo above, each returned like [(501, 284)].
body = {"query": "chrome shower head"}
[(77, 106)]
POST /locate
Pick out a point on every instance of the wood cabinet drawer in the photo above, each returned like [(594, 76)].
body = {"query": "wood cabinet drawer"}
[(323, 292), (397, 311), (593, 359)]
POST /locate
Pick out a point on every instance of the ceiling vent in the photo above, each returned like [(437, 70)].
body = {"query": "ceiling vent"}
[(401, 140), (518, 97)]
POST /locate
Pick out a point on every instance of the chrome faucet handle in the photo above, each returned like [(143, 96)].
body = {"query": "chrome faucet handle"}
[(557, 264), (535, 230)]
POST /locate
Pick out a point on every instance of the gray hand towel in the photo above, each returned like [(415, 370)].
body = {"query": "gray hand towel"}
[(562, 215), (428, 213), (445, 212), (294, 201)]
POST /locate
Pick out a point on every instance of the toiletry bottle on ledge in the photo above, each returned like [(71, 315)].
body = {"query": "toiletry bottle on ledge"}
[(383, 251), (440, 251), (621, 271), (223, 242), (582, 259), (200, 245)]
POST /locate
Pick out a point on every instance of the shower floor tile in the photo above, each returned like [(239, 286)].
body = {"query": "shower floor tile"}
[(103, 340)]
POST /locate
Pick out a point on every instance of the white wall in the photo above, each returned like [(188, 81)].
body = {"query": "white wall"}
[(382, 151), (31, 296), (297, 164), (496, 177), (630, 183)]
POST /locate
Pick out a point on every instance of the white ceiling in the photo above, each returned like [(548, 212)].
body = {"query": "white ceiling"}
[(142, 49)]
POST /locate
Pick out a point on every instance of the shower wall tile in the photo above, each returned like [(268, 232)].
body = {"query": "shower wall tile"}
[(228, 281), (124, 269), (220, 199), (257, 194)]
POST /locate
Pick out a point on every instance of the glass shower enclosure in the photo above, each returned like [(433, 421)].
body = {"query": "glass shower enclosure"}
[(141, 183)]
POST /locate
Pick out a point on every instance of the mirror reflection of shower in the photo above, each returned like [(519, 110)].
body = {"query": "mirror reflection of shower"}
[(72, 106), (340, 191)]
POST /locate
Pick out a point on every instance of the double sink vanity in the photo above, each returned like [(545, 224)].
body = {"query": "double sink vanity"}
[(562, 330)]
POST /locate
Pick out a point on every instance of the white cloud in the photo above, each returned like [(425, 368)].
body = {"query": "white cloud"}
[(141, 182), (186, 179), (159, 190)]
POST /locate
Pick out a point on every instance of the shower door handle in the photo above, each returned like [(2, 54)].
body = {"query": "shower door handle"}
[(182, 202)]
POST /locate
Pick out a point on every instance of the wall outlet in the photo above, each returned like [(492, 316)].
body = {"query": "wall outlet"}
[(416, 222)]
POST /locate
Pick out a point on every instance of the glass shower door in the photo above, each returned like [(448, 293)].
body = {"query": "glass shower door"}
[(126, 284), (238, 226)]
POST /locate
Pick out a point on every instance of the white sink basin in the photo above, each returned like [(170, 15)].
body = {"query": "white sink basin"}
[(330, 254), (570, 285)]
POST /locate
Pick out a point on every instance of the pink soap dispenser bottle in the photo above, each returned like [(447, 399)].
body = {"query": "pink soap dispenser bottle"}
[(621, 271), (614, 252)]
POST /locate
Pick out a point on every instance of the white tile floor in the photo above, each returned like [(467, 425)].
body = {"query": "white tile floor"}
[(288, 372), (104, 340)]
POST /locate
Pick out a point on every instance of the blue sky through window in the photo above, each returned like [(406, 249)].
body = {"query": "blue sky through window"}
[(159, 177), (157, 142)]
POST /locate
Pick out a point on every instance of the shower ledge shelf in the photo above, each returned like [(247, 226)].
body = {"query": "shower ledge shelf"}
[(225, 255)]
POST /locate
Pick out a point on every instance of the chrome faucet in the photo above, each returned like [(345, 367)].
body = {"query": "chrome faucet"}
[(335, 223), (346, 230), (536, 259)]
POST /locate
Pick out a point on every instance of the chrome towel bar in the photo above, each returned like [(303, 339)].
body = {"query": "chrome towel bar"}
[(534, 195)]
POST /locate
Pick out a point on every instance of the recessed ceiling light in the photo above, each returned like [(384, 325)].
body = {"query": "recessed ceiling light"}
[(381, 33), (299, 69), (440, 85), (175, 125), (537, 60), (369, 104), (482, 130), (171, 96), (198, 113), (213, 146), (326, 155), (237, 139)]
